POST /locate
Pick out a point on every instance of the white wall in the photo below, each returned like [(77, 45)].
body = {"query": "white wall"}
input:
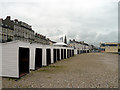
[(52, 61), (32, 58), (0, 59), (10, 60), (44, 63), (75, 51), (33, 53), (60, 52)]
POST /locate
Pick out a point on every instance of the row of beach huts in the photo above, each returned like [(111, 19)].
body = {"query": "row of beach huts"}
[(18, 58)]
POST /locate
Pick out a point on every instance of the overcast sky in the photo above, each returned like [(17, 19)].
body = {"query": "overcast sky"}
[(92, 21)]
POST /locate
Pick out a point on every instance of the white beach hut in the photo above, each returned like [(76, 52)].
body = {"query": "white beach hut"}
[(37, 56), (61, 51), (15, 59), (48, 55)]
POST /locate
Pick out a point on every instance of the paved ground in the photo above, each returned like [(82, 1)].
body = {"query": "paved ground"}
[(92, 70), (0, 83)]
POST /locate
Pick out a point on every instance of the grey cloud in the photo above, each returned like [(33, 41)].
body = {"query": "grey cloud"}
[(92, 21)]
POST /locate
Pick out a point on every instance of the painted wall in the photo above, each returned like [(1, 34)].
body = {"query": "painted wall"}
[(10, 60), (113, 49)]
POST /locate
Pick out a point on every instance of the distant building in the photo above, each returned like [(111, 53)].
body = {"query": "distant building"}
[(18, 30), (78, 45), (23, 31), (51, 42), (6, 31), (102, 47), (40, 39), (110, 47), (75, 44)]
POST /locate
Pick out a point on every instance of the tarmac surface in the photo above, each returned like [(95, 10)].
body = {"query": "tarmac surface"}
[(89, 70)]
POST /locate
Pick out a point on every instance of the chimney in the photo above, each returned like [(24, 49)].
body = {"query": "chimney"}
[(8, 17), (16, 20)]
